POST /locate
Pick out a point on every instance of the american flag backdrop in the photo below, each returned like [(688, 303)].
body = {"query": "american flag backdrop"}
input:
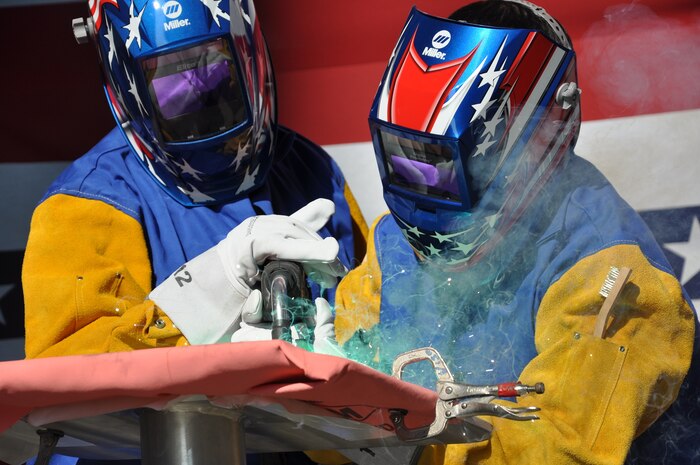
[(639, 68)]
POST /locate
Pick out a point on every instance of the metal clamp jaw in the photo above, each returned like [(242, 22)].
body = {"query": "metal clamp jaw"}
[(458, 404)]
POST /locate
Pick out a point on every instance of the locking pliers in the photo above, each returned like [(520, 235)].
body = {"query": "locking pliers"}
[(458, 404)]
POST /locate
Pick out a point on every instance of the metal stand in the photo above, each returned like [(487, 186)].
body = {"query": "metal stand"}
[(185, 435), (48, 438)]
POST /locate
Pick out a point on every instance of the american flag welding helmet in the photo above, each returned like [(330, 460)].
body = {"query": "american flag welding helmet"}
[(191, 86), (467, 124)]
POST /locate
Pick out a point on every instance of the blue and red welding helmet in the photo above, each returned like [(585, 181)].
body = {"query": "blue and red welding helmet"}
[(191, 86), (467, 124)]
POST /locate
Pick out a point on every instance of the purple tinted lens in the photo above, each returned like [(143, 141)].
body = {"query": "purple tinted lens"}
[(185, 92), (419, 174)]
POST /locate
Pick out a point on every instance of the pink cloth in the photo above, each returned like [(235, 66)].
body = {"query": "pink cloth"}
[(87, 385)]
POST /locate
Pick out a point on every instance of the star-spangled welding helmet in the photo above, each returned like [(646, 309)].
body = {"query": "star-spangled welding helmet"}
[(191, 86), (467, 124)]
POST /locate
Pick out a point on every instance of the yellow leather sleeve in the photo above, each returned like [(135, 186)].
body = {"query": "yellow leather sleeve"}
[(359, 225), (85, 276), (358, 297), (600, 393)]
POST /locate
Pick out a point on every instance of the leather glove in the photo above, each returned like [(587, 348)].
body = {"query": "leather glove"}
[(324, 331), (206, 296)]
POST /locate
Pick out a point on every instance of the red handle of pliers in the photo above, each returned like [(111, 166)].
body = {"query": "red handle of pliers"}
[(507, 390)]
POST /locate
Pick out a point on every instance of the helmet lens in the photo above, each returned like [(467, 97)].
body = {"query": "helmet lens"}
[(421, 167), (195, 91)]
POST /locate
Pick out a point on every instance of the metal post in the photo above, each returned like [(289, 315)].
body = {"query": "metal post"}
[(190, 436), (48, 438)]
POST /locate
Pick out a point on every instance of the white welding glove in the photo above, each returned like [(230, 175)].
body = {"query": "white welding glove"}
[(324, 331), (206, 296)]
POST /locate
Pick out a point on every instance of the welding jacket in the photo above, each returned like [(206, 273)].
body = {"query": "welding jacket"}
[(105, 234), (526, 312)]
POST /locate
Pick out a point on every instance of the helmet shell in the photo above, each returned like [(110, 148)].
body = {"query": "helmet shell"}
[(467, 124), (215, 166)]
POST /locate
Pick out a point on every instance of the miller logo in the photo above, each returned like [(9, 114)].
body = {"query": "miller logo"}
[(440, 40), (173, 10)]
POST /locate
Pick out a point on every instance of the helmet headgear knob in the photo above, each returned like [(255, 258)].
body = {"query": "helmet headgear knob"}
[(83, 29), (567, 95)]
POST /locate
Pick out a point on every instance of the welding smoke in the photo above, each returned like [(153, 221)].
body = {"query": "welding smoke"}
[(632, 53)]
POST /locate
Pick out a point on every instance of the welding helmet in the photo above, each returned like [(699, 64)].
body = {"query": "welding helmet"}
[(191, 87), (467, 124)]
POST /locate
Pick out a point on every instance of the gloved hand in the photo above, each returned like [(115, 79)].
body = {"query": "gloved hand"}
[(324, 331), (206, 296)]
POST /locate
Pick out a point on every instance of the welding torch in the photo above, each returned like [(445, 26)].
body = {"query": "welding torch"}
[(283, 286)]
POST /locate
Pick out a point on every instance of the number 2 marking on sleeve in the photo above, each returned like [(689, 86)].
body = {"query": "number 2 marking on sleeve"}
[(182, 276)]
